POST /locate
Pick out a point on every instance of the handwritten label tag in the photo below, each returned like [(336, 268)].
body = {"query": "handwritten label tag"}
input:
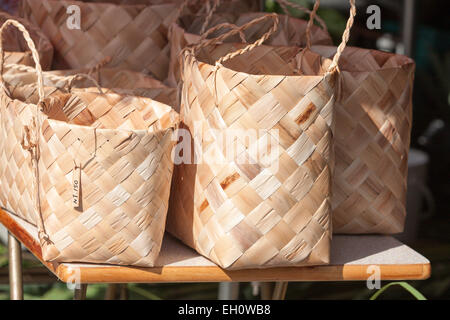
[(76, 187)]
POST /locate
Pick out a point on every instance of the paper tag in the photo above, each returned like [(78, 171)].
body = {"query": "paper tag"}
[(76, 187)]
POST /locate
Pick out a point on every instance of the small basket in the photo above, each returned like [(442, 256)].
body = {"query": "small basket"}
[(97, 169)]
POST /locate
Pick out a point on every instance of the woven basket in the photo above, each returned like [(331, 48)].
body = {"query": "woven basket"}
[(188, 30), (135, 36), (16, 49), (268, 203), (101, 169), (372, 137)]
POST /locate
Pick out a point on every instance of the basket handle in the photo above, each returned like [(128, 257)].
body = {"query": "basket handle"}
[(209, 13), (32, 147), (34, 54), (345, 36), (249, 47), (284, 4), (79, 76), (222, 26)]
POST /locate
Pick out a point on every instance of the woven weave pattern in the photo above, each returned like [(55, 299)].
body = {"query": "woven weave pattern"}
[(16, 49), (135, 36), (111, 80), (373, 126), (291, 31), (244, 214)]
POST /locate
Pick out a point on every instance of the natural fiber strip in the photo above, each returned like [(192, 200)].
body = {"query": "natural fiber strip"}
[(100, 167), (256, 208)]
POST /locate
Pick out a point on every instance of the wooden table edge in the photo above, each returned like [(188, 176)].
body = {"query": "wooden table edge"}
[(109, 274)]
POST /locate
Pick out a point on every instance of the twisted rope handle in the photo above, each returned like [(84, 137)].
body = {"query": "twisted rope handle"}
[(212, 8), (284, 4), (234, 31), (34, 54), (98, 66), (345, 37), (79, 76), (222, 26), (32, 147), (205, 35)]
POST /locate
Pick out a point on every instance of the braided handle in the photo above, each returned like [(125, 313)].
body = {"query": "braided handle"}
[(209, 13), (79, 76), (34, 54), (32, 147), (284, 4), (345, 37), (234, 31), (223, 26)]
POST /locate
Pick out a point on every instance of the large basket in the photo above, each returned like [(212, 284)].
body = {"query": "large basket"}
[(187, 30), (372, 137), (16, 50), (268, 203), (100, 172), (134, 35)]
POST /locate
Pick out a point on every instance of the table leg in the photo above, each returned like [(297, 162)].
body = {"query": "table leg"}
[(279, 292), (15, 268), (80, 293), (111, 291), (266, 289), (228, 291)]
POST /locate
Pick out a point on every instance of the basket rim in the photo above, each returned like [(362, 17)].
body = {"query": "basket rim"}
[(300, 76), (408, 61)]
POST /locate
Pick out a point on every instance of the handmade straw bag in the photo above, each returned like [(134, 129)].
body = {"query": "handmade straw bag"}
[(269, 205), (372, 138), (16, 49), (188, 29), (134, 35), (97, 166)]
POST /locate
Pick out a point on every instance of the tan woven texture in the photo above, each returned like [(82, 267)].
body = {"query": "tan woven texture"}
[(135, 36), (111, 80), (372, 137), (15, 47), (117, 147), (187, 31), (259, 208)]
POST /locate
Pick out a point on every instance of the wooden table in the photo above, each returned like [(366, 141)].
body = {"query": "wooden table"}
[(351, 259)]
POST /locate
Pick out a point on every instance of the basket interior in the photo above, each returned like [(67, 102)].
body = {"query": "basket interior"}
[(267, 60), (364, 60), (88, 107), (291, 31)]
